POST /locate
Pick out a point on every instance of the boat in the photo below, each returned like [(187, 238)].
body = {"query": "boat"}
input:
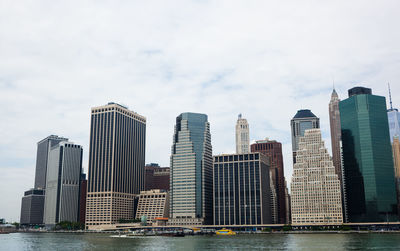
[(173, 234), (225, 231)]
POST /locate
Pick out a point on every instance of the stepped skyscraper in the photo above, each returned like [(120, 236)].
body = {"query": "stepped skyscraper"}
[(242, 135), (191, 184), (116, 164), (367, 158), (334, 119)]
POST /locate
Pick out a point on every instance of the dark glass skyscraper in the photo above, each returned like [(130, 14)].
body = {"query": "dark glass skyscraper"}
[(191, 182), (367, 158)]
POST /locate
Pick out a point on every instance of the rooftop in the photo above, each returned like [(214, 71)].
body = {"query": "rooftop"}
[(304, 114)]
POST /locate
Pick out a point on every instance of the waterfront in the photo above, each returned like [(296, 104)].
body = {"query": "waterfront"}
[(65, 241)]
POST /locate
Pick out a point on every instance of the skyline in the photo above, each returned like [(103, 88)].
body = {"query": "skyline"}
[(156, 59)]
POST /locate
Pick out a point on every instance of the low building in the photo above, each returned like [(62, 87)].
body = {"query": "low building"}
[(242, 191), (153, 204), (32, 207)]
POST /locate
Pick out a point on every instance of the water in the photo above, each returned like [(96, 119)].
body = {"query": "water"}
[(63, 241)]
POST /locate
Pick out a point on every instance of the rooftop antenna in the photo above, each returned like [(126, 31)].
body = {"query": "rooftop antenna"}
[(333, 82), (390, 98)]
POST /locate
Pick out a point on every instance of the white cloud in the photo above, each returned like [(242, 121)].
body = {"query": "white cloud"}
[(161, 58)]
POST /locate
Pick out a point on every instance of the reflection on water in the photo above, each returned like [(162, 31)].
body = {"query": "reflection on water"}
[(62, 241)]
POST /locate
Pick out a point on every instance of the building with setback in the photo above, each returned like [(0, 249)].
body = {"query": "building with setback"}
[(367, 158), (242, 189), (156, 177), (63, 180), (116, 164), (303, 120), (394, 120), (334, 119), (191, 171), (242, 135), (316, 194), (273, 150)]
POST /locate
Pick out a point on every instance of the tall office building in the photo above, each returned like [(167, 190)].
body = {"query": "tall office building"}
[(242, 135), (303, 120), (396, 160), (242, 189), (334, 119), (63, 180), (156, 177), (273, 150), (191, 171), (316, 194), (43, 149), (116, 164), (82, 199), (32, 207), (367, 158), (394, 120)]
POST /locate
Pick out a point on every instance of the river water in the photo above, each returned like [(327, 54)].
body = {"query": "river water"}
[(65, 241)]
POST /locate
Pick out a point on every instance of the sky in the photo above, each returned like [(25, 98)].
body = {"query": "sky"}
[(264, 59)]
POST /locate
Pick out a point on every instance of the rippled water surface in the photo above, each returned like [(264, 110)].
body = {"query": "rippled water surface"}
[(62, 241)]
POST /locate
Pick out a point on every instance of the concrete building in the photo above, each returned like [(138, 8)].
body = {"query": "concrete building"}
[(191, 171), (153, 204), (116, 164), (273, 150), (82, 199), (63, 182), (316, 194), (396, 160), (32, 206), (303, 120), (242, 194), (369, 182), (156, 177), (242, 135), (334, 119)]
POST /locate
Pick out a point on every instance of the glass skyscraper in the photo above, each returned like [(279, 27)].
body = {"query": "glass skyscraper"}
[(191, 171), (367, 158)]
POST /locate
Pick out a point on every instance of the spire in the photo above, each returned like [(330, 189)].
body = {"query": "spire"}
[(390, 98), (240, 116)]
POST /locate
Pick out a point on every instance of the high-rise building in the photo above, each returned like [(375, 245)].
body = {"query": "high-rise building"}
[(242, 189), (32, 207), (273, 150), (396, 160), (242, 135), (43, 149), (367, 158), (303, 120), (153, 204), (334, 119), (116, 164), (63, 180), (82, 199), (394, 120), (316, 194), (191, 183), (156, 177)]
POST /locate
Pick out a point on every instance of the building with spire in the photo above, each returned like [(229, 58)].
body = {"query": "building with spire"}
[(242, 135), (369, 182), (394, 119), (303, 120), (334, 119), (316, 194)]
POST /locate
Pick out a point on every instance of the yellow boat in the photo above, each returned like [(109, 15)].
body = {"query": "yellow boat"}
[(225, 231)]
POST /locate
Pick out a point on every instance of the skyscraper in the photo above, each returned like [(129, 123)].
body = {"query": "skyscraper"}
[(334, 119), (396, 160), (303, 120), (394, 120), (316, 193), (273, 150), (367, 158), (242, 189), (116, 164), (191, 183), (63, 180), (242, 135)]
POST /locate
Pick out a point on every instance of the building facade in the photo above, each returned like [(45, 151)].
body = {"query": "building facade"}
[(396, 160), (156, 177), (242, 135), (82, 199), (32, 207), (334, 119), (153, 204), (316, 194), (63, 182), (303, 120), (191, 171), (273, 150), (242, 194), (116, 164), (367, 158)]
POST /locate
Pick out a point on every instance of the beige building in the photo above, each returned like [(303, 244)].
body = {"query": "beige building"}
[(336, 134), (316, 196), (242, 136), (396, 156), (153, 204), (116, 164)]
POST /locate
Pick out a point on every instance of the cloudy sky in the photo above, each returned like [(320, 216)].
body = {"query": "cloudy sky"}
[(263, 59)]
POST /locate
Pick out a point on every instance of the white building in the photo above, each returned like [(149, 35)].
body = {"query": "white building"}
[(242, 136), (316, 196)]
